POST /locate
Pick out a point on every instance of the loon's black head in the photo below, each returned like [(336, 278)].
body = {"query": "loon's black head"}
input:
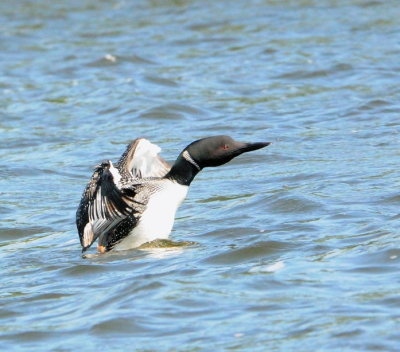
[(217, 150), (210, 151)]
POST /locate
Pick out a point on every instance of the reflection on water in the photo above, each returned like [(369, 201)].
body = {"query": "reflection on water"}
[(282, 249)]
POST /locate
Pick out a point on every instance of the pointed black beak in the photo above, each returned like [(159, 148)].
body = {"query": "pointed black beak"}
[(248, 147)]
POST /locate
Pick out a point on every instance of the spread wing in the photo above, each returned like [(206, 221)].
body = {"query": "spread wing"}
[(141, 158), (103, 205)]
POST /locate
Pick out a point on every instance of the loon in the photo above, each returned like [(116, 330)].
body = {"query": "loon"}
[(134, 201)]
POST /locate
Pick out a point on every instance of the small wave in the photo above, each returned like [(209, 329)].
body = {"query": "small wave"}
[(271, 268)]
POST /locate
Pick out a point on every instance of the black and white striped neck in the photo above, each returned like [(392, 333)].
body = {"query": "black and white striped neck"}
[(189, 158), (184, 169)]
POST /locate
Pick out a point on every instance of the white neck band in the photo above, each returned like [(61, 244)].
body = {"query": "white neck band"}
[(189, 158)]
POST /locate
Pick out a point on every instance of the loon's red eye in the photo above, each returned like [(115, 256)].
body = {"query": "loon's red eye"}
[(225, 147)]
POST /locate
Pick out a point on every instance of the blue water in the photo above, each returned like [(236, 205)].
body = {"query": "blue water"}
[(295, 246)]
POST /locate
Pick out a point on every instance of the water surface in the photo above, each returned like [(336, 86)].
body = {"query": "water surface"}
[(293, 247)]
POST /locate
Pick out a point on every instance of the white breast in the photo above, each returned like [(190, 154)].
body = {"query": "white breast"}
[(157, 220)]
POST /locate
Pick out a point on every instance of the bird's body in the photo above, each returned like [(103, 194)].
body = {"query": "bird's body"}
[(158, 218), (135, 201)]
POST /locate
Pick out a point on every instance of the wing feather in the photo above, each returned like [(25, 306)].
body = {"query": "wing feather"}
[(141, 158), (103, 205)]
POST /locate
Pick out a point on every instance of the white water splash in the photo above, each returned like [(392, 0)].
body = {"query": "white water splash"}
[(268, 268)]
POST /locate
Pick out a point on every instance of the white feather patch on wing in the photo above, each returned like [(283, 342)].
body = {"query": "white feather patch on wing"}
[(146, 161), (87, 235), (116, 175)]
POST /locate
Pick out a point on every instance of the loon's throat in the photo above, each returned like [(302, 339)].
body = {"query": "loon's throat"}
[(189, 158), (183, 171)]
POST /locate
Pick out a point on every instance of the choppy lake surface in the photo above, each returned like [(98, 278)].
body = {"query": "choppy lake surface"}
[(296, 246)]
